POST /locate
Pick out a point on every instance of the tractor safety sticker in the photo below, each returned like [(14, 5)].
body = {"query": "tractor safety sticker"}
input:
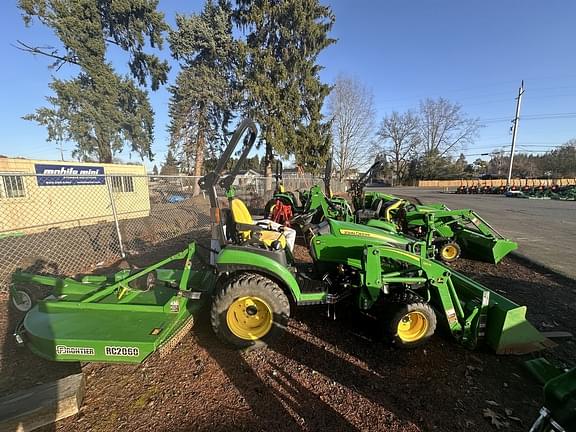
[(66, 350), (451, 315), (174, 306), (122, 351)]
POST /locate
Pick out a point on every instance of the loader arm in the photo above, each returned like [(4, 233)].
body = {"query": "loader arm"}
[(476, 237), (357, 187), (448, 218), (474, 314)]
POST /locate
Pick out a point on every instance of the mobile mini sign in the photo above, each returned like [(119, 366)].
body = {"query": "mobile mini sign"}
[(67, 175)]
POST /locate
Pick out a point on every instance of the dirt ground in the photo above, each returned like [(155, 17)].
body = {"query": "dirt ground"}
[(322, 375)]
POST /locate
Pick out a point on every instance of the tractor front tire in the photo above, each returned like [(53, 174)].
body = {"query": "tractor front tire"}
[(449, 252), (412, 322), (249, 310)]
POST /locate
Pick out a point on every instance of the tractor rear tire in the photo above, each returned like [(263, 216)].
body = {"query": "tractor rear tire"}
[(412, 321), (449, 252), (249, 310)]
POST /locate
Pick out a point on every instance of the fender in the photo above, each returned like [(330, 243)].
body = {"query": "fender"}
[(286, 197), (255, 259)]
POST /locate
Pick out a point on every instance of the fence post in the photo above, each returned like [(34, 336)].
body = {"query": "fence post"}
[(113, 205)]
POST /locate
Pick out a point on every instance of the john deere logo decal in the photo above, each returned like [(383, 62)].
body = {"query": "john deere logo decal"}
[(361, 234)]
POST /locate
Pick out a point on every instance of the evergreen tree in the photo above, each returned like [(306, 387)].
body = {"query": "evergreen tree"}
[(170, 166), (155, 170), (460, 164), (100, 110), (204, 95), (282, 84)]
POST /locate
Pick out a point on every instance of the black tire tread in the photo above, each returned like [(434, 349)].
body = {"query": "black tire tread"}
[(406, 301), (248, 284), (35, 293), (456, 245)]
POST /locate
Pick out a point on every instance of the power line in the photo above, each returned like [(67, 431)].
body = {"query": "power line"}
[(529, 144), (502, 152), (543, 116)]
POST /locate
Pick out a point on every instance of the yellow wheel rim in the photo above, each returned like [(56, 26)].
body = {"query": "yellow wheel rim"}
[(412, 327), (449, 252), (249, 318)]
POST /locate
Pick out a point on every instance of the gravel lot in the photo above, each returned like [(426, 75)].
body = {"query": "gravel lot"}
[(322, 375)]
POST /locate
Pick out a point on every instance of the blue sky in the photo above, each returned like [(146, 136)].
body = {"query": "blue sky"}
[(471, 52)]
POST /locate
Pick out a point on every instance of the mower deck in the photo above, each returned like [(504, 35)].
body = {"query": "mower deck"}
[(101, 318), (126, 329), (90, 335)]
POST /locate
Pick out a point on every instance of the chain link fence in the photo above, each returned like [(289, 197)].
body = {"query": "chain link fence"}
[(69, 225)]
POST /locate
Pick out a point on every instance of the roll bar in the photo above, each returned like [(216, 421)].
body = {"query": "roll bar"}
[(209, 181), (357, 186)]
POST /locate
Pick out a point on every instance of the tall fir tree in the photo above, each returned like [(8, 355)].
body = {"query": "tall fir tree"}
[(283, 90), (170, 165), (203, 98), (100, 110)]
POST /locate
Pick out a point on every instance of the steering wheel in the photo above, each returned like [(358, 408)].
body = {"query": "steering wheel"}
[(304, 219), (332, 205), (409, 206)]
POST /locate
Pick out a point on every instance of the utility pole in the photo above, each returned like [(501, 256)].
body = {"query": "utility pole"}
[(515, 132), (61, 148)]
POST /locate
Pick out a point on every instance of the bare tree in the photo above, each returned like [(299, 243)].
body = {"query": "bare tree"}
[(444, 128), (400, 133), (351, 109)]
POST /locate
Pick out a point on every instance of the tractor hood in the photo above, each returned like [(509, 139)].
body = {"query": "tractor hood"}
[(376, 235)]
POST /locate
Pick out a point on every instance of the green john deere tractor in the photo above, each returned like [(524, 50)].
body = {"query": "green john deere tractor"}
[(284, 205), (446, 232), (253, 284)]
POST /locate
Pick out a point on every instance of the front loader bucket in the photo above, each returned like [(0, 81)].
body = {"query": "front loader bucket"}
[(506, 329), (483, 247)]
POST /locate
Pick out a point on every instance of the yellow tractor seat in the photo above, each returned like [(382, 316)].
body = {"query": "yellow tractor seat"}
[(242, 216)]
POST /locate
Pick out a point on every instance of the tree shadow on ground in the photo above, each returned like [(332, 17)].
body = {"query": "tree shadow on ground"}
[(19, 368), (271, 405), (294, 384)]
